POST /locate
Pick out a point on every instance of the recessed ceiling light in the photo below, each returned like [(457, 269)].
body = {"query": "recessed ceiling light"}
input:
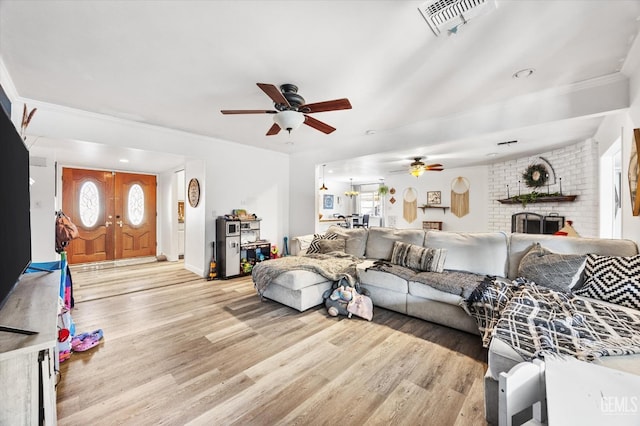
[(370, 132), (492, 154), (124, 160), (524, 73)]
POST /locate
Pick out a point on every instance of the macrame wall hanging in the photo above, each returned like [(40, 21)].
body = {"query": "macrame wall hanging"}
[(460, 196), (410, 204)]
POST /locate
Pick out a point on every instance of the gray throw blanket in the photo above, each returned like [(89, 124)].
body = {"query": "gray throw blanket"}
[(455, 282), (333, 266)]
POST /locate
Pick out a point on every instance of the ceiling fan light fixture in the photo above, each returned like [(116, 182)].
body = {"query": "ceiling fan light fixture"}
[(288, 120), (416, 171)]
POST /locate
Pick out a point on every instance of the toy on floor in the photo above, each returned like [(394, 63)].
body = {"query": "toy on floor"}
[(345, 300), (86, 341), (274, 252)]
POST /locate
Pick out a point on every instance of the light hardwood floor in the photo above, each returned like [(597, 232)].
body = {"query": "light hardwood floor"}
[(178, 349)]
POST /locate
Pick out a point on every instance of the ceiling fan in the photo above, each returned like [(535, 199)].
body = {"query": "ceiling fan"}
[(418, 167), (291, 110)]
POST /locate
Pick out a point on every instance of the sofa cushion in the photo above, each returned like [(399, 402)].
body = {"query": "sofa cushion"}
[(519, 245), (560, 272), (483, 253), (299, 245), (327, 246), (614, 279), (425, 291), (458, 283), (418, 257), (375, 278), (295, 280), (380, 241), (314, 247), (355, 238)]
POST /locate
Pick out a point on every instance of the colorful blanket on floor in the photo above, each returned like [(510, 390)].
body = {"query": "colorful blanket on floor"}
[(333, 266), (535, 321)]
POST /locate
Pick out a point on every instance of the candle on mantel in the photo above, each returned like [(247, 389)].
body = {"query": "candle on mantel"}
[(508, 192), (548, 184), (518, 188), (560, 186)]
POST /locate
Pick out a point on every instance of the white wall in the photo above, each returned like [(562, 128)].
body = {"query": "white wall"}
[(475, 221), (630, 223), (166, 200), (197, 233), (43, 207)]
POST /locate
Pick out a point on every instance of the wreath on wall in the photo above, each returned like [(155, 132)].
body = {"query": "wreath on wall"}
[(535, 176)]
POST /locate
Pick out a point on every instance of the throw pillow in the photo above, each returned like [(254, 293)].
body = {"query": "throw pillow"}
[(559, 272), (326, 246), (417, 257), (614, 279), (313, 247)]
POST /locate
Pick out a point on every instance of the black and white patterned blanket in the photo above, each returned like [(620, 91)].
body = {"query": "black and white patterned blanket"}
[(536, 321)]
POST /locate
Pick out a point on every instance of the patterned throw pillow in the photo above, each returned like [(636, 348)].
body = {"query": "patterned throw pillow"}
[(559, 272), (327, 246), (314, 247), (614, 279), (418, 258)]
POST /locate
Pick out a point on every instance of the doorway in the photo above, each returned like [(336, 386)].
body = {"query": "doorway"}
[(611, 191), (115, 213)]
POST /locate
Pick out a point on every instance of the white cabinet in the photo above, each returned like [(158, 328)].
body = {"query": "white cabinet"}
[(33, 305)]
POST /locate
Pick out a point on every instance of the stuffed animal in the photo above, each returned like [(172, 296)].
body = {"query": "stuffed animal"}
[(343, 293), (274, 252), (336, 307), (336, 300)]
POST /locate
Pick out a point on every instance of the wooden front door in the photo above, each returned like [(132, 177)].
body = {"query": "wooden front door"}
[(114, 212)]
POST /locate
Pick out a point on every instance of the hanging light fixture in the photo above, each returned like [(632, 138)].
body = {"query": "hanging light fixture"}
[(351, 192), (416, 168), (323, 187), (289, 120)]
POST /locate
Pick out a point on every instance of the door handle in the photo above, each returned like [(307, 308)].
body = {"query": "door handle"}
[(108, 223), (119, 223)]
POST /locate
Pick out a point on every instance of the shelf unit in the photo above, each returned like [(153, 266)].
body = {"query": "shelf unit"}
[(252, 248), (541, 199)]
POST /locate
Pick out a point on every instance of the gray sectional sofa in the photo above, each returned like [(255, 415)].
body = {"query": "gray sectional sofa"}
[(469, 258)]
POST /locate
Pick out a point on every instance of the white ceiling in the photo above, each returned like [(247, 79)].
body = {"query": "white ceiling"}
[(176, 64)]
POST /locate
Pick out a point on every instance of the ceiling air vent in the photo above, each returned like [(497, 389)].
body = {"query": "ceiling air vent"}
[(439, 13)]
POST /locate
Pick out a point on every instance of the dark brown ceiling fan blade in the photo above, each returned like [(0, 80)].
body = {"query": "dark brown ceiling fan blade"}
[(274, 93), (247, 111), (318, 125), (333, 105), (274, 130), (434, 166)]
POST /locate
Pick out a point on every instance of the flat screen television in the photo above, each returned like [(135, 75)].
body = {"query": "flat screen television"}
[(15, 221)]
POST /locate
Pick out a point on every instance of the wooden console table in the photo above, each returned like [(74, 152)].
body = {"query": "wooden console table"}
[(27, 361)]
